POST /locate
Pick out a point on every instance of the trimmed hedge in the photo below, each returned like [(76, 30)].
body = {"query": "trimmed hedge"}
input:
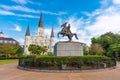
[(4, 58), (76, 62)]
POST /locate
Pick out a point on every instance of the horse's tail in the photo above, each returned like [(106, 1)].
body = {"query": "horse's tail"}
[(76, 36), (58, 35)]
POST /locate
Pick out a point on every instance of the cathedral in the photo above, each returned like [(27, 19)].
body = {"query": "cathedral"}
[(40, 38)]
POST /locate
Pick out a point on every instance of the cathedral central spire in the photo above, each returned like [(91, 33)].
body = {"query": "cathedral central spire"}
[(27, 31), (40, 24)]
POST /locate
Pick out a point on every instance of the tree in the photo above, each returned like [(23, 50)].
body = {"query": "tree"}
[(50, 54), (10, 49), (36, 49), (114, 50), (94, 40), (96, 49), (44, 49), (106, 41), (85, 51), (19, 51)]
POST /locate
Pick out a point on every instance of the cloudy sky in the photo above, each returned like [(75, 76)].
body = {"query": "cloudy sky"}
[(88, 18)]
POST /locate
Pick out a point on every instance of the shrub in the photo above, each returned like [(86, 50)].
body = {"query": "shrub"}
[(29, 62), (3, 58), (71, 61)]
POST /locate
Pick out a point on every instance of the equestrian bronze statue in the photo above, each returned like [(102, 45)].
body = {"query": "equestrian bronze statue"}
[(67, 32)]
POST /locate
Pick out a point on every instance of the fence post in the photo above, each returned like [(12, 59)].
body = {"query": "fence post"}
[(113, 62)]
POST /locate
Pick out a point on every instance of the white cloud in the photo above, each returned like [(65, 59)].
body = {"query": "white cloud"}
[(26, 15), (75, 24), (105, 3), (100, 21), (73, 21), (26, 9), (3, 12), (48, 32), (19, 8), (53, 13), (116, 1), (56, 30), (17, 28), (21, 1), (35, 3), (105, 22), (76, 27), (20, 40)]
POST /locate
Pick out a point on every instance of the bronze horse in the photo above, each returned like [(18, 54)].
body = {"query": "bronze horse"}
[(67, 32)]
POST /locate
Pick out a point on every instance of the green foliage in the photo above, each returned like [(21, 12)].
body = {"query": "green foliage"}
[(5, 58), (29, 62), (109, 41), (19, 51), (37, 50), (50, 54), (34, 49), (44, 49), (85, 52), (10, 50), (113, 49), (8, 61), (73, 61), (96, 49), (77, 63), (94, 40)]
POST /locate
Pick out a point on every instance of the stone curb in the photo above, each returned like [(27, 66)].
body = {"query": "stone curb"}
[(64, 71)]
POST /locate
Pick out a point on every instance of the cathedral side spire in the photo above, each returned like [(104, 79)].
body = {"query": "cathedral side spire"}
[(52, 33), (27, 31), (52, 39), (40, 24)]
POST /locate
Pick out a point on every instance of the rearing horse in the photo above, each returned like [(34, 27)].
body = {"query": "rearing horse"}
[(67, 32)]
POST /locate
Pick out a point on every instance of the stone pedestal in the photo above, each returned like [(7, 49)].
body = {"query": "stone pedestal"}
[(68, 49)]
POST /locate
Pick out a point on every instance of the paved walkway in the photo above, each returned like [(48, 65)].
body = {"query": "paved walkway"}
[(10, 72)]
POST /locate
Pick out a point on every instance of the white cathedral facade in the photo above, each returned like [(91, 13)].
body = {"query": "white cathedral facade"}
[(39, 39)]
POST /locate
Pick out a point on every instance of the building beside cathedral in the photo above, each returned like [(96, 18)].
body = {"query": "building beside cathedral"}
[(39, 39), (7, 40)]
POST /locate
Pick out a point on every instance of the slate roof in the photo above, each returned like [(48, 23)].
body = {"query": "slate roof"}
[(3, 38), (8, 39)]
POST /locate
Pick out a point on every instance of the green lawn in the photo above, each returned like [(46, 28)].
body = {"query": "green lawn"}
[(8, 61)]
